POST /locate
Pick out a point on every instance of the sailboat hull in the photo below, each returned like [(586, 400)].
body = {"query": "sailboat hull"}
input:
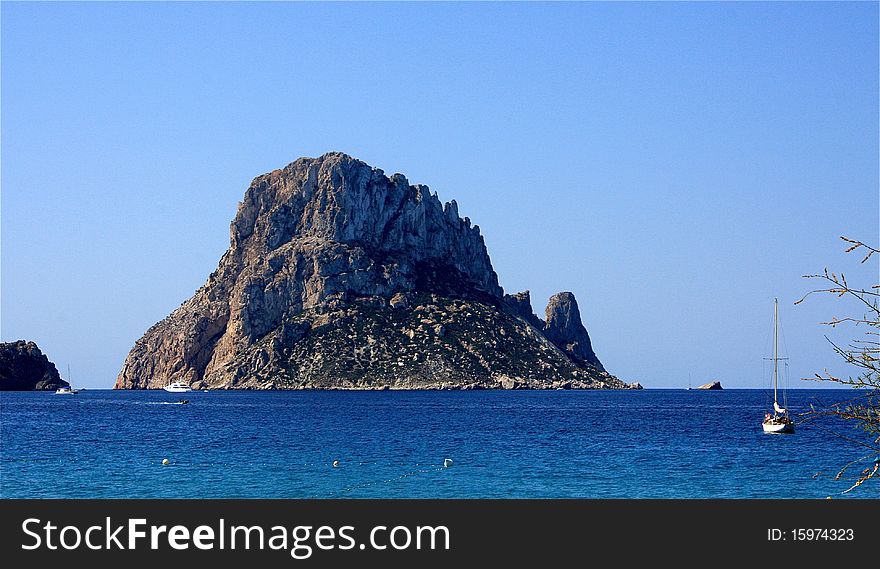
[(778, 428)]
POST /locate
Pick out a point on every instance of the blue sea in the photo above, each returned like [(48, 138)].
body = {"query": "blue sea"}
[(393, 444)]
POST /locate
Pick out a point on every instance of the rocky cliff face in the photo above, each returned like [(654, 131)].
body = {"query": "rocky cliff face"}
[(340, 276), (23, 367), (564, 328)]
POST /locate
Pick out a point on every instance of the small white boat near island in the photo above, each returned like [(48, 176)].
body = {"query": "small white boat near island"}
[(67, 389), (778, 421), (177, 387)]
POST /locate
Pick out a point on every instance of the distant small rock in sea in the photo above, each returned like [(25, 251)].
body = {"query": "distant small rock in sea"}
[(713, 385), (23, 367)]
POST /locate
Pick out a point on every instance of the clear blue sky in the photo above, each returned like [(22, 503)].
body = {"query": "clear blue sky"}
[(676, 166)]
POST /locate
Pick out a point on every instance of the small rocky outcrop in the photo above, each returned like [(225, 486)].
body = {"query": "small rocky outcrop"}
[(520, 304), (23, 367), (338, 276), (712, 385), (563, 327)]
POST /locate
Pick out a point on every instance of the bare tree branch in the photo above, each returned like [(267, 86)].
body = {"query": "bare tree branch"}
[(863, 412)]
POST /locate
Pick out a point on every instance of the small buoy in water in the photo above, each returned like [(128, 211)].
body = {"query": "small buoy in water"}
[(335, 464), (447, 462), (165, 462)]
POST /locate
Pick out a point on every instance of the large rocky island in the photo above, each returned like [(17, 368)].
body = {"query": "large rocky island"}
[(340, 277), (23, 367)]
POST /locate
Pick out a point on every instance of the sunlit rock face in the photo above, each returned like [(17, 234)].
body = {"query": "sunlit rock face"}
[(338, 276)]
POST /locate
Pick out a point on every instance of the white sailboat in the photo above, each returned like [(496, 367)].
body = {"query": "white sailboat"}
[(778, 421), (67, 389)]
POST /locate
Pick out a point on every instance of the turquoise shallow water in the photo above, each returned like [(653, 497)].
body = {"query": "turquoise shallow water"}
[(506, 444)]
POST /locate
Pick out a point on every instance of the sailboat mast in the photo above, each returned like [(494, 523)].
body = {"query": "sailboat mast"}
[(775, 349)]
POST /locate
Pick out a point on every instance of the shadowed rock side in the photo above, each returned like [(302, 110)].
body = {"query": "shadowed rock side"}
[(338, 276), (23, 367)]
